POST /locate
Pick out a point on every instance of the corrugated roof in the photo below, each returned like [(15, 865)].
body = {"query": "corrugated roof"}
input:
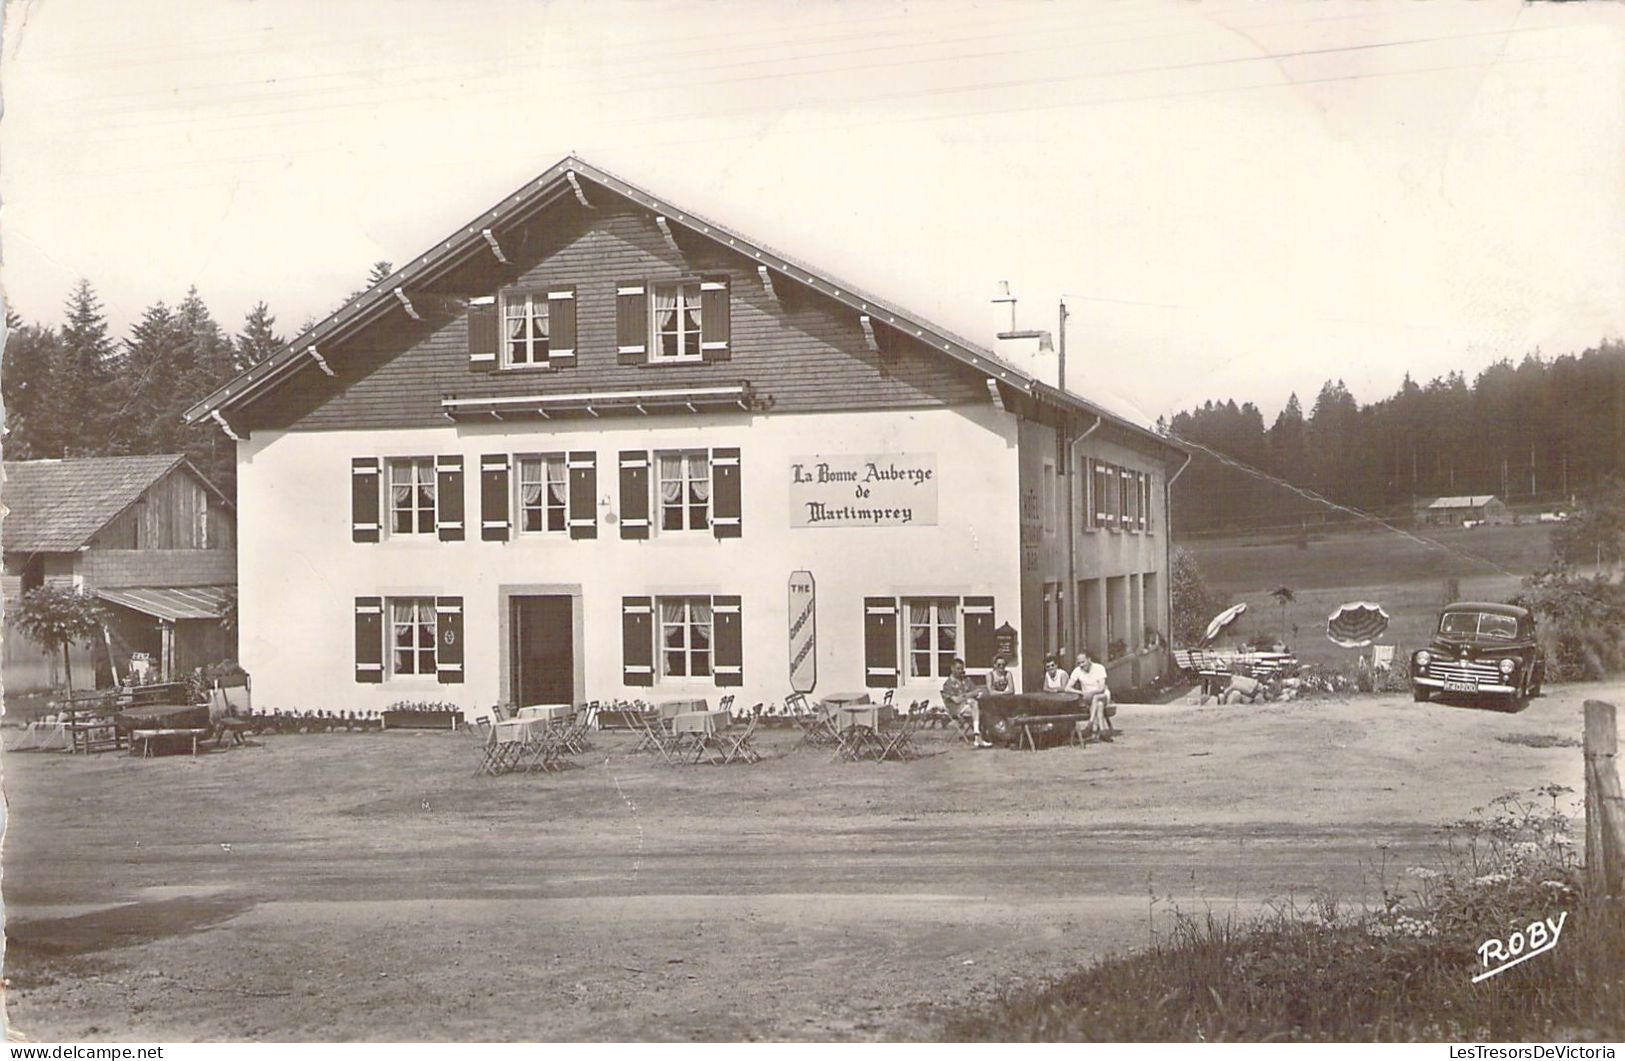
[(1464, 501), (58, 505), (172, 603)]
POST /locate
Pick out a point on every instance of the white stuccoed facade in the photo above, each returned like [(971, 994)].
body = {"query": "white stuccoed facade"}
[(300, 572)]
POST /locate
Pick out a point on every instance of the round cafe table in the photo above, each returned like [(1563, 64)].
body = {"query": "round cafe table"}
[(836, 701), (547, 712)]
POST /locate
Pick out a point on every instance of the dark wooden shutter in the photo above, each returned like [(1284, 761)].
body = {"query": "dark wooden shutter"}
[(637, 640), (634, 494), (369, 640), (583, 494), (632, 322), (494, 518), (1090, 519), (979, 640), (880, 642), (561, 327), (364, 499), (716, 325), (727, 638), (483, 335), (725, 517), (448, 631), (449, 498)]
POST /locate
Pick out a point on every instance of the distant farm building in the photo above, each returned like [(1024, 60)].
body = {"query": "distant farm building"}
[(1456, 511), (148, 535)]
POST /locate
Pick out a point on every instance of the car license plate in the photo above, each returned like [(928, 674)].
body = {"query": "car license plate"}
[(1461, 687)]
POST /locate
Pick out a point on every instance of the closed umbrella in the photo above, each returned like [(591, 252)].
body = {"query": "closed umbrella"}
[(1356, 624), (1222, 620)]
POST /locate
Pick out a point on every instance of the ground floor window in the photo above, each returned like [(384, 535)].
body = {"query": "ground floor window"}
[(685, 637), (412, 636), (933, 635)]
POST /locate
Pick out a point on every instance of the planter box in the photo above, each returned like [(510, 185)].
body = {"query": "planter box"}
[(422, 719)]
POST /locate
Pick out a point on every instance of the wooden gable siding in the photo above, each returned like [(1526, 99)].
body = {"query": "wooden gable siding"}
[(167, 516), (804, 351)]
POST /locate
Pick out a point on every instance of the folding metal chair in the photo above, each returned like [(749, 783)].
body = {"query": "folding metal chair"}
[(898, 742), (733, 746), (657, 738)]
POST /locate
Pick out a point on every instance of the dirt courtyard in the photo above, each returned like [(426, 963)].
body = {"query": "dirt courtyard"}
[(371, 887)]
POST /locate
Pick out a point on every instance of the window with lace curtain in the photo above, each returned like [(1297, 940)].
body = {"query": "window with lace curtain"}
[(683, 490), (544, 494), (675, 322), (525, 319), (412, 636), (685, 637), (932, 635), (412, 495)]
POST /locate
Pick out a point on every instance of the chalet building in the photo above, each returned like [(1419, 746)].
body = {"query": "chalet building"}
[(1455, 511), (593, 446), (147, 534)]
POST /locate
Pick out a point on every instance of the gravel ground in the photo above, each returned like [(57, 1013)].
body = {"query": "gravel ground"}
[(371, 887)]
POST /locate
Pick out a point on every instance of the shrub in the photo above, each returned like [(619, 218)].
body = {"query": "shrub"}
[(1191, 603), (1582, 622)]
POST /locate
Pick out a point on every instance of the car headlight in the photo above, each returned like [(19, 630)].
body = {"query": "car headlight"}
[(1507, 666), (1422, 659)]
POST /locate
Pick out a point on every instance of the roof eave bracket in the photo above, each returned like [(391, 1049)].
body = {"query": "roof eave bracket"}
[(665, 231), (220, 419), (767, 282), (575, 186), (496, 248), (321, 362), (411, 311), (869, 333)]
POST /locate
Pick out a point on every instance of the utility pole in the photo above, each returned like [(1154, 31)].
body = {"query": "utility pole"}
[(1069, 592), (1532, 491)]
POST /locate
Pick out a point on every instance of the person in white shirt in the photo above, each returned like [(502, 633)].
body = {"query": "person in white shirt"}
[(1054, 676), (1089, 681)]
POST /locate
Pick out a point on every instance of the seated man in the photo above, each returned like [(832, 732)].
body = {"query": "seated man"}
[(1089, 681), (1054, 676), (962, 698)]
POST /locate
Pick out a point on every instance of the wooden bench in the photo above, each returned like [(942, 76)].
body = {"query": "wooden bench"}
[(1027, 723), (144, 739)]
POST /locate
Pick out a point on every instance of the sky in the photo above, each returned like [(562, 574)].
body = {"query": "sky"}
[(1236, 199)]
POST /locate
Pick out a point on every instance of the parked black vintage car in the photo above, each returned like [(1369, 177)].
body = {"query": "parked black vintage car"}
[(1480, 650)]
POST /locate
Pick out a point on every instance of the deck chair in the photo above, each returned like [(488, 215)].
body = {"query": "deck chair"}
[(727, 704), (1382, 657), (817, 729)]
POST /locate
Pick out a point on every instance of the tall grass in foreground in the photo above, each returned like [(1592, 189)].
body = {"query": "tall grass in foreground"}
[(1403, 972)]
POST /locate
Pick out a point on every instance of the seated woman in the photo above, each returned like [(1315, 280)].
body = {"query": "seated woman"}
[(1000, 679), (962, 699), (1054, 676)]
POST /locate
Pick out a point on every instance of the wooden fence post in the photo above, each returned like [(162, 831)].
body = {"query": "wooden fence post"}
[(1605, 802)]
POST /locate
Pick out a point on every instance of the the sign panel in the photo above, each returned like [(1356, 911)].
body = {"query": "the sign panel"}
[(864, 490), (803, 632)]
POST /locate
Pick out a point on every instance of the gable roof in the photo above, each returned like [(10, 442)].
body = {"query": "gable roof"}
[(566, 179), (55, 506), (1463, 501)]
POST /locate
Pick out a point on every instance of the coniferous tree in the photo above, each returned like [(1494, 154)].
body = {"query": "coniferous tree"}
[(258, 339), (79, 393), (30, 352)]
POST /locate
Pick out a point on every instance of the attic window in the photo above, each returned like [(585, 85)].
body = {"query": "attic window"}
[(525, 324), (675, 322)]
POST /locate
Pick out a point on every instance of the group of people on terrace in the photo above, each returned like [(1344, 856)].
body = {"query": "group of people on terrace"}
[(1087, 679)]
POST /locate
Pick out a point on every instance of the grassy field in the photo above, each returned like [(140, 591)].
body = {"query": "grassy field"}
[(1407, 574)]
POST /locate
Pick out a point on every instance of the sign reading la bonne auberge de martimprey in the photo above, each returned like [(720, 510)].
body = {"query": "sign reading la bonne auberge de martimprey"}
[(864, 490)]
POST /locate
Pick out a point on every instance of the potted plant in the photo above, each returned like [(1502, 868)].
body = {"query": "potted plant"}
[(424, 714)]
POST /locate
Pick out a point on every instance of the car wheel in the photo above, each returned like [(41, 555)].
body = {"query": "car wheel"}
[(1420, 693)]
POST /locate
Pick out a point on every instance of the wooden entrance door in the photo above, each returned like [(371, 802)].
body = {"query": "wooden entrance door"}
[(542, 652)]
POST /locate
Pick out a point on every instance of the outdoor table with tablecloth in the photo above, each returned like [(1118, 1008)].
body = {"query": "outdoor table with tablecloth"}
[(545, 712), (704, 723), (835, 701), (670, 709), (998, 709)]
